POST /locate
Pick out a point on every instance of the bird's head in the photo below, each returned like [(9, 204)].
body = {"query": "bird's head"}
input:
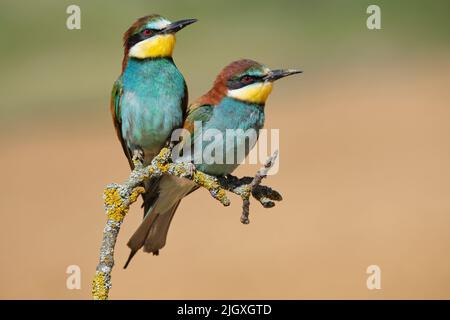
[(152, 36), (249, 81)]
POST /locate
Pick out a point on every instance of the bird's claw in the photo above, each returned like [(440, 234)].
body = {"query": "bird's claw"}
[(190, 169), (138, 157)]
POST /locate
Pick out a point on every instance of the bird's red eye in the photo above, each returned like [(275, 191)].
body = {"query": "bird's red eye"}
[(246, 79), (147, 32)]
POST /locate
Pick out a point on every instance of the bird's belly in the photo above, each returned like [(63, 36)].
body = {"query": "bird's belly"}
[(230, 151), (232, 154), (147, 125)]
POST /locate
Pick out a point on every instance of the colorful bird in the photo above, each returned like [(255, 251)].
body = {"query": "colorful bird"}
[(149, 98), (236, 101)]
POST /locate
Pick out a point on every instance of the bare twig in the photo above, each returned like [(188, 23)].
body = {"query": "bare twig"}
[(119, 198)]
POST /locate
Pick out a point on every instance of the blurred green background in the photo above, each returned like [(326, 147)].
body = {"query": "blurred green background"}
[(49, 71)]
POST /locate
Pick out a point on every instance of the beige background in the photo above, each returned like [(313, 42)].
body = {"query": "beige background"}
[(364, 173)]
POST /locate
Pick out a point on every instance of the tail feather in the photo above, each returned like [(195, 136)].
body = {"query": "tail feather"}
[(132, 253), (137, 240), (157, 235), (160, 205), (149, 198), (151, 195)]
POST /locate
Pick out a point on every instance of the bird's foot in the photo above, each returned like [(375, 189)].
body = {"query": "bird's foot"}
[(190, 169), (138, 158), (187, 169)]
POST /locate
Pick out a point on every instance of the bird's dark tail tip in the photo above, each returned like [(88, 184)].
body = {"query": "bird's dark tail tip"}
[(132, 253)]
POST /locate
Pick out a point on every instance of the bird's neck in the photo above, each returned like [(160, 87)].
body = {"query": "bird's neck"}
[(154, 72), (230, 101), (245, 115), (134, 62)]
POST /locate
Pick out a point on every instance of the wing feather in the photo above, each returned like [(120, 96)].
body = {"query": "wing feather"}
[(115, 105)]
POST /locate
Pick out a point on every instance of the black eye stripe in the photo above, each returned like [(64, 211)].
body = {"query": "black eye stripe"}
[(135, 38), (234, 84), (138, 37), (238, 83)]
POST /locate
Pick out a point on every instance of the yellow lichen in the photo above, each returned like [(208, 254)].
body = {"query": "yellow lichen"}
[(136, 162), (211, 185), (116, 209), (164, 154), (117, 214), (222, 197), (99, 289), (112, 197), (161, 162), (114, 203), (246, 192), (162, 166), (135, 194)]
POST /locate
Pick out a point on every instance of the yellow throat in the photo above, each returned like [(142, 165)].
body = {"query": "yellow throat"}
[(254, 93), (158, 46)]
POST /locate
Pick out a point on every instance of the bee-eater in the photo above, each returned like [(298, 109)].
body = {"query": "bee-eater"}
[(149, 98), (236, 101)]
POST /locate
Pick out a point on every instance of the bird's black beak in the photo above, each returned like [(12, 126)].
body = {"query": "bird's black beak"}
[(178, 25), (278, 74)]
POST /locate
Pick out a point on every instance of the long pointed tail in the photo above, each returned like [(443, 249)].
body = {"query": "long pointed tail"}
[(132, 253), (152, 233)]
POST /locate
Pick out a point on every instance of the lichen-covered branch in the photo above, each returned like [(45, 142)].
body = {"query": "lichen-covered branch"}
[(118, 199)]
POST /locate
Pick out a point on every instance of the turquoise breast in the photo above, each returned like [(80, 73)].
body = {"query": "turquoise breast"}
[(152, 103), (234, 115)]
